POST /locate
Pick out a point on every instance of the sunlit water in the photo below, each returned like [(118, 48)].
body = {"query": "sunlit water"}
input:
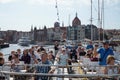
[(14, 47)]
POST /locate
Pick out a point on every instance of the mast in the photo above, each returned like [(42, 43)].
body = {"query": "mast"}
[(91, 23), (103, 18), (99, 18), (69, 20)]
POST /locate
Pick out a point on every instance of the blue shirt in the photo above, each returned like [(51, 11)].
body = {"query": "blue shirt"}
[(104, 54), (89, 47), (43, 69)]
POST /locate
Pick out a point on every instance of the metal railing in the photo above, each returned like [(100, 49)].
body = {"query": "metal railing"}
[(63, 74)]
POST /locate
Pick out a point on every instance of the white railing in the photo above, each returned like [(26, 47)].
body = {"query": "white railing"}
[(63, 74)]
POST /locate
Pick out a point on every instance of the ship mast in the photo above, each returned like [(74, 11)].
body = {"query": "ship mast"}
[(99, 18), (91, 23), (102, 18)]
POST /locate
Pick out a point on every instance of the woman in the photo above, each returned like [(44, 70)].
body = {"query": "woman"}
[(111, 67), (14, 62), (26, 57)]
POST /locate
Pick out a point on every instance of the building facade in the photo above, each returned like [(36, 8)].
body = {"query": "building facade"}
[(76, 32), (94, 32)]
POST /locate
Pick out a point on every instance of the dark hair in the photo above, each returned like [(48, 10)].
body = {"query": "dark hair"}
[(106, 42), (16, 55), (1, 59)]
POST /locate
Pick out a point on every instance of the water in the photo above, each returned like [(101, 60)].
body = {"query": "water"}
[(12, 47)]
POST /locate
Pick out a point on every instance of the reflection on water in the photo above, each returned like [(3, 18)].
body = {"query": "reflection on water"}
[(6, 51), (14, 47)]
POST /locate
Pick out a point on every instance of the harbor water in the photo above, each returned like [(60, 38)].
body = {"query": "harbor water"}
[(14, 47)]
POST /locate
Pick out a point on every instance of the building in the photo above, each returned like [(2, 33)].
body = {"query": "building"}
[(94, 33), (39, 35), (76, 32), (56, 33)]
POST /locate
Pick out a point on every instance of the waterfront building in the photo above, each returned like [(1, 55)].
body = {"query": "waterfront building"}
[(40, 35), (56, 33), (76, 32), (95, 32)]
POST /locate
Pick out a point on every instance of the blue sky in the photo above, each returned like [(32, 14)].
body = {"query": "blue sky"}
[(21, 14)]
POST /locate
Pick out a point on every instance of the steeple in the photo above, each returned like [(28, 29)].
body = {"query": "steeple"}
[(76, 21), (76, 14)]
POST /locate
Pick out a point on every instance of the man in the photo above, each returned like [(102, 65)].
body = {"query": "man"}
[(73, 54), (56, 47), (90, 46), (104, 52), (43, 69), (63, 57)]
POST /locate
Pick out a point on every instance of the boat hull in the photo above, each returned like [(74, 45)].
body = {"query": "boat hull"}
[(4, 45), (24, 41), (24, 44)]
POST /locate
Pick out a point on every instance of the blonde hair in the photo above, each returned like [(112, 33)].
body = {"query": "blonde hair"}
[(109, 58)]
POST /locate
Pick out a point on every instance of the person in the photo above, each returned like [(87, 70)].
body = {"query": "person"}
[(112, 68), (90, 46), (104, 52), (33, 57), (63, 57), (96, 46), (1, 59), (89, 53), (51, 57), (2, 77), (14, 62), (11, 55), (16, 66), (73, 54), (26, 57), (19, 53), (56, 47), (63, 60), (1, 54), (43, 69), (94, 55), (41, 48)]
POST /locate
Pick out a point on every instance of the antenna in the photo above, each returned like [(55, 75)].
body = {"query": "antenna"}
[(56, 6)]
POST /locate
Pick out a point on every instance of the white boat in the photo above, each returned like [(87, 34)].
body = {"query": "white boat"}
[(24, 41), (69, 44)]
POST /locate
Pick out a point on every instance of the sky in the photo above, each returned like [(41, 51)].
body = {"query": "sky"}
[(21, 14)]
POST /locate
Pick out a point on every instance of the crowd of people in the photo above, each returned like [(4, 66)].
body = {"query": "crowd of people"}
[(62, 56)]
